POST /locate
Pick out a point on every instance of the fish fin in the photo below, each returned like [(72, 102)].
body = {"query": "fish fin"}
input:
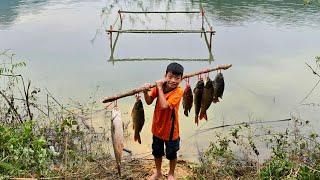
[(201, 115), (196, 120), (205, 116), (137, 137)]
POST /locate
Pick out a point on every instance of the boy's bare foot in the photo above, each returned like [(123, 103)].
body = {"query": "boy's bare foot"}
[(170, 177), (155, 176)]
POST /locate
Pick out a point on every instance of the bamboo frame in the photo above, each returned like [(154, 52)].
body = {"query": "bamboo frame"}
[(158, 12), (140, 89), (111, 30), (160, 59), (159, 31)]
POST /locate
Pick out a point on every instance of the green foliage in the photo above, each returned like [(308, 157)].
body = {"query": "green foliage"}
[(8, 64), (220, 161), (58, 142), (293, 155), (22, 152), (317, 59), (293, 158), (308, 2)]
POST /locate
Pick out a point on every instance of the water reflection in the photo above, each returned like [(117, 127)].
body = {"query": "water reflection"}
[(10, 10), (237, 12), (288, 12)]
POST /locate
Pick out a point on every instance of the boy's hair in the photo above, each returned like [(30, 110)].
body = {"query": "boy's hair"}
[(175, 69)]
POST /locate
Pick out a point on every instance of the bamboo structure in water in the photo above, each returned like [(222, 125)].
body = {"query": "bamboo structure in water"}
[(158, 12), (202, 30)]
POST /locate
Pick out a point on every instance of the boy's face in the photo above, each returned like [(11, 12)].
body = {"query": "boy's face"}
[(172, 80)]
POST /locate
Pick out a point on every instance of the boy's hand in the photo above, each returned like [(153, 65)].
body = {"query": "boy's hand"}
[(147, 87), (160, 83)]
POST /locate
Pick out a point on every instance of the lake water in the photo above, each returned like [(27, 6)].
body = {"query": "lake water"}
[(268, 42)]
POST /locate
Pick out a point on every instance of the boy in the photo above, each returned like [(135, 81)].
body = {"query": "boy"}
[(165, 125)]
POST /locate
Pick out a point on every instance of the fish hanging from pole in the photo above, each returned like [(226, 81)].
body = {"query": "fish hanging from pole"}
[(138, 118), (117, 136), (207, 98), (198, 90), (218, 87), (187, 100)]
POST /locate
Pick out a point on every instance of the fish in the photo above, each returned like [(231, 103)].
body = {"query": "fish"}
[(117, 136), (218, 87), (138, 119), (187, 100), (197, 91), (207, 98)]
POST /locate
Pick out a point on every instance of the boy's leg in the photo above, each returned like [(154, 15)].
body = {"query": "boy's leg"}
[(158, 152), (172, 168), (171, 154), (158, 162)]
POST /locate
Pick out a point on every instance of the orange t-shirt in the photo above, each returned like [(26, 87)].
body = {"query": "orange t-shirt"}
[(163, 119)]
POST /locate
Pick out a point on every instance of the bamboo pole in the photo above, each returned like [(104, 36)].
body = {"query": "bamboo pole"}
[(157, 12), (161, 59), (211, 33), (120, 15), (113, 46), (208, 45), (159, 31), (140, 89), (110, 31)]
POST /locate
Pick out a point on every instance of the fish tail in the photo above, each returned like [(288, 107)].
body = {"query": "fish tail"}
[(137, 137), (203, 115), (186, 112)]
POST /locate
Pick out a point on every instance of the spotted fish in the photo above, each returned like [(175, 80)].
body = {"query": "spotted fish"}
[(207, 98), (187, 100), (197, 91), (218, 87), (138, 119)]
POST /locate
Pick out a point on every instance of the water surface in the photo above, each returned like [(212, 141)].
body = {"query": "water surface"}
[(268, 43)]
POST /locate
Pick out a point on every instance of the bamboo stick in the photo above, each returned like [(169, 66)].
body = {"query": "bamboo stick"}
[(161, 59), (159, 31), (157, 12), (140, 89)]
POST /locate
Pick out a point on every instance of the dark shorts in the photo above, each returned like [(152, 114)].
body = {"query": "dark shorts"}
[(171, 148)]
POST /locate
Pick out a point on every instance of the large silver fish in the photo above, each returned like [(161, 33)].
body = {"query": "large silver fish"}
[(218, 87), (117, 136), (138, 119)]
